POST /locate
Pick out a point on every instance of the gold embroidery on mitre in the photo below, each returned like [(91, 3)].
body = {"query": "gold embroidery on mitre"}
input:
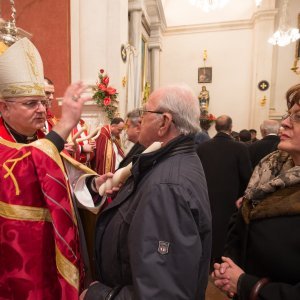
[(24, 213), (23, 90), (10, 170), (32, 62), (67, 270)]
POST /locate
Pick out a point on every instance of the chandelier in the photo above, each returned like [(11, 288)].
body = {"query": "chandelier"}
[(285, 34), (209, 5), (258, 2)]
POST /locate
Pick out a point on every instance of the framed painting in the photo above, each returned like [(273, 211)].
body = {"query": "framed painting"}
[(205, 75)]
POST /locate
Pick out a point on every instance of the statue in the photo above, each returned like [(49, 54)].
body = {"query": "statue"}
[(203, 98)]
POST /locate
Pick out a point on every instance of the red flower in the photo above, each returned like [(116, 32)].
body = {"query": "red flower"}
[(110, 90), (106, 101), (101, 71), (105, 80), (101, 87)]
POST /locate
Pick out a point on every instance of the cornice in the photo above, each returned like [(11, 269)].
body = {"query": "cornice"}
[(135, 5), (260, 15)]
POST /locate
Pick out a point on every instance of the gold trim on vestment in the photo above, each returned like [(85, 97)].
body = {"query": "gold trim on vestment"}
[(50, 149), (10, 169), (109, 156), (67, 270), (24, 213), (14, 145), (78, 165)]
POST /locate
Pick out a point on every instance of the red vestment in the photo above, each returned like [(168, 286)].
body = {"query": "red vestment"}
[(51, 121), (80, 155), (39, 241), (105, 156)]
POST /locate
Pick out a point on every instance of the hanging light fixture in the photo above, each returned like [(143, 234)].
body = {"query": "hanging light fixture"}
[(285, 34), (258, 2), (209, 5)]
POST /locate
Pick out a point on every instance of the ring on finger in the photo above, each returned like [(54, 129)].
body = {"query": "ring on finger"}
[(75, 97)]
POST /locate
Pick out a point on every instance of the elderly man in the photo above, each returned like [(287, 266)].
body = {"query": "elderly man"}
[(41, 257), (154, 240), (133, 129), (269, 131)]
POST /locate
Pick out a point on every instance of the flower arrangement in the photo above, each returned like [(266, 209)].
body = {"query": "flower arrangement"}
[(106, 96), (206, 120)]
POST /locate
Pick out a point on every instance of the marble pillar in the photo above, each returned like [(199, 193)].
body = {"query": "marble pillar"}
[(263, 27)]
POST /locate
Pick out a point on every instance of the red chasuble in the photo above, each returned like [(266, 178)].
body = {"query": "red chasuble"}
[(51, 121), (105, 158), (39, 241), (79, 155)]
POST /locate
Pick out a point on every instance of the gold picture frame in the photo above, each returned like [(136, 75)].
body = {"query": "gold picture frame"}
[(205, 75)]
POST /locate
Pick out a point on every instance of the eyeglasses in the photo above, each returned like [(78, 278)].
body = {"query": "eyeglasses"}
[(31, 104), (143, 111), (295, 117)]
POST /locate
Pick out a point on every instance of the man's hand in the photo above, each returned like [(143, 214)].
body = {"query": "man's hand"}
[(87, 148), (72, 106), (70, 147), (110, 191)]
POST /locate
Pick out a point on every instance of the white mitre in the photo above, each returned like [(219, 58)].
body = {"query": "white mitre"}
[(21, 71)]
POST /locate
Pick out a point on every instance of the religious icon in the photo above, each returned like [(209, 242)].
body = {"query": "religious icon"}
[(203, 98), (205, 75)]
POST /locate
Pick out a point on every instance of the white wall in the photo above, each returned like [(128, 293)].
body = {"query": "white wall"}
[(229, 54), (240, 57), (284, 78), (98, 29)]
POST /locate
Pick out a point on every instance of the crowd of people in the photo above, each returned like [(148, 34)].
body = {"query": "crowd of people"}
[(192, 205)]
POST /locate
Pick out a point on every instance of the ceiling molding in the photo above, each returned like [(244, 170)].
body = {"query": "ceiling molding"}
[(223, 26)]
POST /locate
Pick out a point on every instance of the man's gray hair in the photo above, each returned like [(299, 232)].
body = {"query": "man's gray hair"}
[(270, 127), (182, 103), (134, 116)]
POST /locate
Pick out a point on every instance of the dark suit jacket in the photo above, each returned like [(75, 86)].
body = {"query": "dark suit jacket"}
[(263, 147), (136, 149), (227, 168)]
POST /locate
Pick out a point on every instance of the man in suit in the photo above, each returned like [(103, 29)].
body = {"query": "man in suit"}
[(268, 143), (253, 135), (227, 168), (133, 129)]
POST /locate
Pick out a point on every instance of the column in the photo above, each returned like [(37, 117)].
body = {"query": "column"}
[(155, 46), (262, 62), (135, 39)]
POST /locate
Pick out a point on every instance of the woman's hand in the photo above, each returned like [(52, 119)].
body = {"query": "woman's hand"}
[(226, 276)]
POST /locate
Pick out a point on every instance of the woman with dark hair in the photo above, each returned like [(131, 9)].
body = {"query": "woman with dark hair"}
[(263, 247)]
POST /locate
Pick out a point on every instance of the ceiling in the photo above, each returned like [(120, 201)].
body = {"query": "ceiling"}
[(181, 12)]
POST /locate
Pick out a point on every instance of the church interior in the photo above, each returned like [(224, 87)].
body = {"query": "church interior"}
[(145, 44), (225, 55)]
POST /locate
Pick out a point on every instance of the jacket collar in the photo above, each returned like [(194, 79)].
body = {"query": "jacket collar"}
[(143, 163), (181, 144), (223, 135)]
